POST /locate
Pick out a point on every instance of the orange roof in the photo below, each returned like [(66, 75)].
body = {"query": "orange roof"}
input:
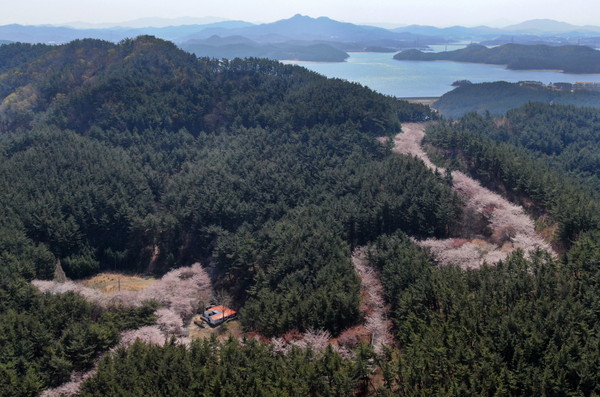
[(224, 312)]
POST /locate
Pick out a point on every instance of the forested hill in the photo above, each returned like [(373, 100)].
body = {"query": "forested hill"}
[(149, 83), (139, 156), (500, 96), (570, 59), (565, 137)]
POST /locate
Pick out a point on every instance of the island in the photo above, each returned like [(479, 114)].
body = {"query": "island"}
[(568, 58)]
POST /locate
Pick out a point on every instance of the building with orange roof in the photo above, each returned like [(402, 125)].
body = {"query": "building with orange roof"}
[(217, 315)]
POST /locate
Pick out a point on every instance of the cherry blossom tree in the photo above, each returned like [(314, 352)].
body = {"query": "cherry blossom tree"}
[(317, 340), (181, 290), (168, 321), (150, 334)]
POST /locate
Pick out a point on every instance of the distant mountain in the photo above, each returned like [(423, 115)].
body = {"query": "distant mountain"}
[(570, 59), (305, 28), (241, 47), (58, 34), (147, 22), (323, 30), (528, 39), (500, 96), (544, 31), (297, 38), (299, 28), (215, 41), (549, 26), (450, 33), (180, 33)]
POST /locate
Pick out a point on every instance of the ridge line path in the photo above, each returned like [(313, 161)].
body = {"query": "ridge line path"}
[(511, 227)]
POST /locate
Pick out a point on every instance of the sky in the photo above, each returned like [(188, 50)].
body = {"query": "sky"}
[(442, 13)]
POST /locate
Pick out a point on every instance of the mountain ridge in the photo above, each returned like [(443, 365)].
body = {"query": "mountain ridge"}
[(348, 36)]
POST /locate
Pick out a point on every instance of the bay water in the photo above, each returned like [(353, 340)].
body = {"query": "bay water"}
[(409, 79)]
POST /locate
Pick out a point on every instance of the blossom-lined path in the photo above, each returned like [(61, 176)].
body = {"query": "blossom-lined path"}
[(373, 303), (510, 224), (376, 327)]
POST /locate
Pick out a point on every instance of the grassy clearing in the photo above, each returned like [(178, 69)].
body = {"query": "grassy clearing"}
[(113, 282)]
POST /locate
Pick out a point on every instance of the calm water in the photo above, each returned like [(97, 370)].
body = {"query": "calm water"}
[(427, 79)]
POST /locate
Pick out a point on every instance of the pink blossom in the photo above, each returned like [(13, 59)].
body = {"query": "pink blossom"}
[(495, 256), (373, 301), (409, 142), (53, 287), (279, 345), (183, 341), (343, 351), (71, 388), (150, 334), (168, 321), (508, 221), (181, 290), (317, 340)]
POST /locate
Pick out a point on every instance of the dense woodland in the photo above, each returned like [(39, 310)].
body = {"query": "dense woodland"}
[(231, 368), (521, 327), (140, 157), (568, 58), (526, 326), (43, 338)]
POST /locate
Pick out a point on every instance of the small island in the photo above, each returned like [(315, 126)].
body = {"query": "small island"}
[(569, 59)]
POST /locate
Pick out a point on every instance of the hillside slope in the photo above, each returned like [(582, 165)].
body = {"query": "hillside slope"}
[(139, 156)]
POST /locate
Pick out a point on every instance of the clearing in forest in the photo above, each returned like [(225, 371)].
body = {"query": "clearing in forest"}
[(111, 283)]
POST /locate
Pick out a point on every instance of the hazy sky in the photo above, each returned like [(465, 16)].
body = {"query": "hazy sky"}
[(395, 12)]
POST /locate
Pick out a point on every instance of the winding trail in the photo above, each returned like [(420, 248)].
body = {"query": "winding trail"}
[(511, 227), (373, 303)]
